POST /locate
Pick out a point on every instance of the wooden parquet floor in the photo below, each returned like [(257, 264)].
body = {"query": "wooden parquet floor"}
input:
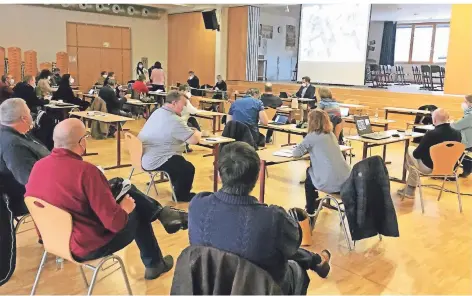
[(431, 256)]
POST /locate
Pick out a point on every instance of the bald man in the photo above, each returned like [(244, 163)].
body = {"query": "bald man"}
[(101, 225), (420, 157)]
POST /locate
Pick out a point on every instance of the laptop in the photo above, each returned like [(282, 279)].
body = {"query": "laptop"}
[(344, 111), (364, 129), (280, 120)]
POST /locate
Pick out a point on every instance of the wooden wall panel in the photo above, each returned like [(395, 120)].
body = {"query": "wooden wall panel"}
[(111, 60), (459, 58), (237, 43), (73, 71), (90, 70), (89, 35), (126, 38), (127, 65), (71, 34), (111, 36), (62, 62), (31, 62), (2, 60), (190, 47), (14, 62)]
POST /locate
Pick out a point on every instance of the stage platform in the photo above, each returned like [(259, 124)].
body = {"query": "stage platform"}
[(374, 98)]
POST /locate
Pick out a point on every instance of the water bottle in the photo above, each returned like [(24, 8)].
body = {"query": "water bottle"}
[(376, 114), (59, 263)]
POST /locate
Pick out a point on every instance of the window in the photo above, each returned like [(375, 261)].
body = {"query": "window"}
[(441, 42), (402, 44), (423, 35), (429, 44)]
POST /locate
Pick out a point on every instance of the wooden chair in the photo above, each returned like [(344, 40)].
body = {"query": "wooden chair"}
[(446, 157), (135, 150), (55, 226)]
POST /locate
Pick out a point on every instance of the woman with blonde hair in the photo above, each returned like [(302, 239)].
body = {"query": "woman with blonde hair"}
[(327, 102), (328, 169)]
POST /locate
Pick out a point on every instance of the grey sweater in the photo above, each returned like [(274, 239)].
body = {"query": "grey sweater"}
[(328, 169), (464, 125)]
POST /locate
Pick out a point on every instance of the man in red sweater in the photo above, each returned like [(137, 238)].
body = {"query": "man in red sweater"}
[(139, 86), (101, 226)]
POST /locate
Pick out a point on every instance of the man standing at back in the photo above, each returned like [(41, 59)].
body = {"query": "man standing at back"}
[(164, 136), (420, 157), (250, 110)]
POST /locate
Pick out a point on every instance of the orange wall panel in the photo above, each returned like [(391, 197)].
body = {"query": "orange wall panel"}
[(237, 43), (14, 62), (31, 63), (190, 47), (62, 62), (2, 60)]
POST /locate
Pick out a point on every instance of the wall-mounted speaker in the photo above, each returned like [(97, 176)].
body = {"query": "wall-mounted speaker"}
[(210, 20)]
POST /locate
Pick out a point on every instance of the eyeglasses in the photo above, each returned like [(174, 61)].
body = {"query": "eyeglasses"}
[(87, 135)]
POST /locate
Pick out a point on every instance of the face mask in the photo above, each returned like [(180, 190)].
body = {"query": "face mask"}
[(104, 76), (304, 84), (49, 77), (140, 66), (190, 77), (12, 81), (188, 94), (71, 80)]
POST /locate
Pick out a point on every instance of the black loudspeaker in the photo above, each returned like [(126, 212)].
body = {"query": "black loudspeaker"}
[(209, 18)]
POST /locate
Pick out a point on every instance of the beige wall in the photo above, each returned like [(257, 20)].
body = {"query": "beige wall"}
[(44, 30)]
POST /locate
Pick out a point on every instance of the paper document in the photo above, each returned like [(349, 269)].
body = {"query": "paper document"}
[(284, 153)]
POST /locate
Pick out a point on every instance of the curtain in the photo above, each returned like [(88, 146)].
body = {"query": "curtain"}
[(252, 42), (387, 52)]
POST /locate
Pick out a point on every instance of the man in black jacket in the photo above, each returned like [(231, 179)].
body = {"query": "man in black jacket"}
[(270, 101), (194, 83), (108, 94), (420, 157), (306, 90), (25, 90), (18, 151)]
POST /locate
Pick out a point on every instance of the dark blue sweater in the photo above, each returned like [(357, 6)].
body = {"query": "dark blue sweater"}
[(264, 235)]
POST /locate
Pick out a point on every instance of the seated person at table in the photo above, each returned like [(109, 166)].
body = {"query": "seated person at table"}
[(420, 158), (270, 101), (6, 87), (306, 90), (221, 86), (234, 221), (25, 90), (327, 102), (464, 125), (66, 94), (101, 226), (250, 110), (18, 151), (139, 86), (56, 78), (189, 108), (193, 82), (328, 170), (101, 79), (108, 94), (44, 88), (164, 136)]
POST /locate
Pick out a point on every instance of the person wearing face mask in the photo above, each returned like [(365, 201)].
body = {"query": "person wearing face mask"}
[(102, 225), (221, 86), (307, 91), (66, 94), (6, 85), (194, 83), (114, 104), (140, 70), (158, 77), (56, 79), (101, 79), (25, 90), (164, 136), (19, 151), (44, 87), (188, 110)]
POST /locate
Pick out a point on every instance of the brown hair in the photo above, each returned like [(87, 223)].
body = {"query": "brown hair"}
[(468, 98), (325, 93), (318, 122)]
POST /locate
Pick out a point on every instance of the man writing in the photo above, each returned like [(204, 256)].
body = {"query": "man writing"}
[(101, 225), (164, 136), (420, 157)]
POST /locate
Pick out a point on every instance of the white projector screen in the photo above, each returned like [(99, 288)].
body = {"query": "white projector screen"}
[(333, 43)]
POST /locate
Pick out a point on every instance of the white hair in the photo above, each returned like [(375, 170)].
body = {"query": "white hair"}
[(11, 110)]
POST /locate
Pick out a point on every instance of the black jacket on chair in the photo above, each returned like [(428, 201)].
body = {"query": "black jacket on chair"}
[(26, 92), (7, 239), (208, 271), (367, 201), (240, 132)]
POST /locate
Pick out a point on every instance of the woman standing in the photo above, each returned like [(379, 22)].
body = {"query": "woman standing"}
[(328, 170), (66, 94), (157, 77), (140, 70)]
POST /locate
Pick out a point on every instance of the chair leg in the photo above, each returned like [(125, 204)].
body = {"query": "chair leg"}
[(131, 174), (40, 269), (21, 221), (458, 194), (83, 276), (341, 218), (267, 172), (125, 276), (442, 188), (421, 195), (174, 198)]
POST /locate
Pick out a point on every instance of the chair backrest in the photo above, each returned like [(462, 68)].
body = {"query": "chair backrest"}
[(425, 69), (55, 226), (445, 157), (435, 69), (338, 129), (135, 150)]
